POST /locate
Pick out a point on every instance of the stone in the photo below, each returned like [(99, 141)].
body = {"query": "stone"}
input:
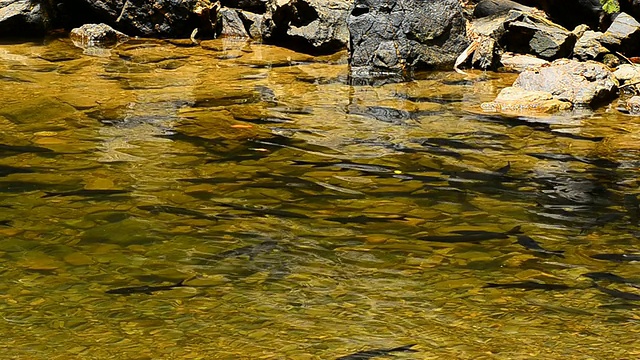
[(588, 46), (531, 34), (520, 63), (623, 35), (252, 22), (626, 72), (514, 99), (19, 18), (315, 26), (96, 35), (161, 18), (396, 36), (495, 7), (580, 83), (633, 105), (232, 25)]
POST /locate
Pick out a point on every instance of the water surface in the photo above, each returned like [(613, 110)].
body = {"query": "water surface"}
[(302, 206)]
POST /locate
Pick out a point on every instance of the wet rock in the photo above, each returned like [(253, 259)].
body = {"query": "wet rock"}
[(519, 63), (399, 35), (23, 18), (96, 35), (581, 83), (623, 35), (232, 25), (161, 18), (633, 105), (515, 99), (588, 46), (308, 25)]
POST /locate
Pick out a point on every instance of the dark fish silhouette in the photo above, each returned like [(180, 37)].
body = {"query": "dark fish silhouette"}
[(368, 354), (364, 219), (5, 222), (617, 257), (146, 289), (471, 236), (532, 245), (86, 193), (6, 170), (606, 276), (617, 293), (174, 210), (6, 148), (263, 210), (250, 250), (528, 285)]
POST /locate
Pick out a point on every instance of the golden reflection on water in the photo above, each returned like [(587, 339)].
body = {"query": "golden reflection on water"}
[(326, 187)]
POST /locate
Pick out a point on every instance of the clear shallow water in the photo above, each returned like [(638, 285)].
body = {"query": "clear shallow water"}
[(153, 164)]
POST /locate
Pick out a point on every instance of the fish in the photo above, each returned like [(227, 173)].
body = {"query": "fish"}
[(617, 293), (174, 210), (606, 276), (471, 236), (86, 193), (532, 245), (251, 251), (528, 285), (263, 210), (6, 170), (147, 289), (5, 222), (369, 354), (18, 149), (617, 257), (364, 219)]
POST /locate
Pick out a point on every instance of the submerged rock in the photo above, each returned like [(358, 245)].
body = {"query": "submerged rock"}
[(396, 36), (581, 83), (515, 99), (633, 105), (23, 18)]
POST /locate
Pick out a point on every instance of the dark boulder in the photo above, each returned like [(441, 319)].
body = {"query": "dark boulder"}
[(161, 18), (231, 24), (495, 7), (314, 26), (571, 13), (23, 18), (399, 35)]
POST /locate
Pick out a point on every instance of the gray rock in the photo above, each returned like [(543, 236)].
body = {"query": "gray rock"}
[(626, 72), (23, 18), (307, 25), (252, 22), (496, 7), (231, 24), (623, 34), (581, 83), (96, 35), (395, 36), (520, 63), (588, 46), (533, 35), (633, 105)]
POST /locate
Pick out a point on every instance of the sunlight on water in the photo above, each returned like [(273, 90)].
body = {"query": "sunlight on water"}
[(311, 219)]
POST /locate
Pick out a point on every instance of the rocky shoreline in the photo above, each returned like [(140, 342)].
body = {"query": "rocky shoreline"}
[(572, 53)]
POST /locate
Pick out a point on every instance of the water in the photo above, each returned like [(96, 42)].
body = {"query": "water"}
[(295, 204)]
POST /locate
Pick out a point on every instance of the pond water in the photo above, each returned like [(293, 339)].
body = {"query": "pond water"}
[(310, 218)]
